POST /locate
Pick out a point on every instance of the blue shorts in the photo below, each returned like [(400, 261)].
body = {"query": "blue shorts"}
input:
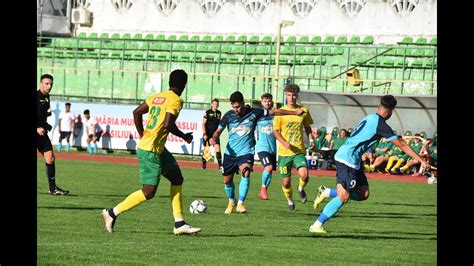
[(64, 135), (267, 159), (350, 178), (231, 163)]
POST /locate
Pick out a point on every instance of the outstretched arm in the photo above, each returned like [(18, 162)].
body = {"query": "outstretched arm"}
[(215, 136), (170, 125), (408, 150), (285, 112)]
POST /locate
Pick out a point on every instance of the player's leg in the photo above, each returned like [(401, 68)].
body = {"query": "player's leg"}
[(300, 163), (229, 168), (284, 168), (267, 162), (172, 172), (68, 145), (150, 170), (323, 194), (204, 162), (89, 146), (245, 165), (390, 162), (396, 168), (60, 142), (217, 147), (97, 138), (46, 149)]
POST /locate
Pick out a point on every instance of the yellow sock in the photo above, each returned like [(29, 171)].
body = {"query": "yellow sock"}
[(177, 202), (302, 184), (397, 165), (404, 168), (372, 167), (131, 201), (288, 192), (390, 162)]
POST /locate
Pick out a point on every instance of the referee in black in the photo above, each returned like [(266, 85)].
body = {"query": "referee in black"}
[(210, 122), (42, 127)]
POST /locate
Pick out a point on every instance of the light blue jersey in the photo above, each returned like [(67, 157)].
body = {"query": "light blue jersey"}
[(241, 130), (369, 131), (266, 141)]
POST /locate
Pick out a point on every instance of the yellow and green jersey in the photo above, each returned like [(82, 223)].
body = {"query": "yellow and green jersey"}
[(291, 129), (155, 134)]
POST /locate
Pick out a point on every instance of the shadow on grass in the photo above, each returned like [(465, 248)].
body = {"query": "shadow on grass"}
[(359, 237), (392, 215), (71, 208), (404, 204)]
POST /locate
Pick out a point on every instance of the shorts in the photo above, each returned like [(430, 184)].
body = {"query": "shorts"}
[(349, 177), (286, 162), (152, 165), (43, 143), (64, 134), (97, 135), (231, 163), (267, 159)]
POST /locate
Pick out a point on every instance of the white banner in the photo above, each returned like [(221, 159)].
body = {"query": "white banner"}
[(119, 132)]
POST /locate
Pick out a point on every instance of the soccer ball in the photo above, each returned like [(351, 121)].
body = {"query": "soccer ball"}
[(432, 180), (198, 206)]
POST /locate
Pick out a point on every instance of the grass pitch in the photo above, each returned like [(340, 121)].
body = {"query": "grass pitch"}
[(396, 225)]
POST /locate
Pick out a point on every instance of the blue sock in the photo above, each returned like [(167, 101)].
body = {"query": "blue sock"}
[(244, 187), (354, 196), (68, 147), (265, 176), (60, 146), (89, 148), (95, 147), (333, 192), (230, 190), (330, 209), (269, 179)]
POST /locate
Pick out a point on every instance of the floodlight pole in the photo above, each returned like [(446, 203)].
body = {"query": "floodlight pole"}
[(282, 24)]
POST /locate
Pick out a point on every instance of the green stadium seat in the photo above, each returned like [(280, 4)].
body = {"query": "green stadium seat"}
[(328, 40), (257, 59), (429, 52), (355, 40), (316, 40), (171, 38), (81, 35), (287, 50), (320, 61), (254, 39), (368, 40), (138, 36), (206, 38), (266, 39), (314, 50), (226, 48), (160, 37), (303, 39), (387, 62), (165, 47), (230, 38), (104, 35), (341, 40), (115, 36), (406, 40), (138, 55), (327, 51), (250, 49), (338, 51), (242, 39), (429, 64), (417, 63), (416, 52), (155, 46), (402, 52), (400, 62), (391, 52), (434, 41), (178, 47), (189, 47), (201, 48), (149, 37), (218, 38), (126, 36), (275, 40), (263, 50), (132, 45), (162, 57), (237, 49), (195, 38), (291, 39), (421, 41), (374, 62), (213, 48), (300, 50), (183, 38)]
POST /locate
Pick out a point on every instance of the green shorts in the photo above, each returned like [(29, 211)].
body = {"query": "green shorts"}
[(152, 165), (286, 162)]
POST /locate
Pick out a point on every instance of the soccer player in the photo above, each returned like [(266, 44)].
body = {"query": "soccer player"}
[(210, 122), (163, 109), (239, 152), (93, 131), (266, 145), (65, 127), (351, 182), (291, 151), (42, 127)]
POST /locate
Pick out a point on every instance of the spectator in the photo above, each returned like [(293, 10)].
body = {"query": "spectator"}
[(93, 131)]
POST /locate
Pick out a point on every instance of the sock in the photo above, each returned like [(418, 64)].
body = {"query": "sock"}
[(330, 209), (244, 188), (230, 190), (288, 192), (131, 201), (50, 173), (404, 168), (397, 165), (302, 184), (265, 176), (354, 196), (89, 148), (95, 147), (219, 158), (372, 167), (179, 224), (68, 147), (176, 197), (269, 179), (330, 192), (203, 160), (390, 162), (60, 146), (111, 212)]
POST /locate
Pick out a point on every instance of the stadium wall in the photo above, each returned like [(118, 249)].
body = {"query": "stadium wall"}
[(327, 17)]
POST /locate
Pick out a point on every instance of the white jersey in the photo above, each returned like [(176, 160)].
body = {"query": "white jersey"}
[(66, 119), (90, 124)]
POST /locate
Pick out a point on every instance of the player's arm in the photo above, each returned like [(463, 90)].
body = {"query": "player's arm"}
[(72, 124), (170, 125), (204, 121), (408, 150), (285, 112), (309, 133), (280, 138), (94, 131), (222, 124), (59, 125), (138, 117)]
